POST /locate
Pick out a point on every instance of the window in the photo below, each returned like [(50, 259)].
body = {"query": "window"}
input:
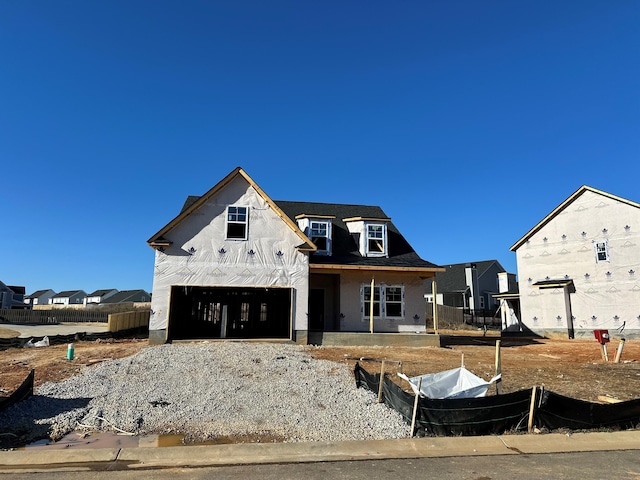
[(237, 220), (366, 298), (602, 251), (376, 239), (263, 312), (392, 301), (320, 235)]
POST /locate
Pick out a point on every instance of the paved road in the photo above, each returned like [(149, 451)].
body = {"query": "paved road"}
[(619, 465)]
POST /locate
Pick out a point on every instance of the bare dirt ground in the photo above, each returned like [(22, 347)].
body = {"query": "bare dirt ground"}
[(574, 368)]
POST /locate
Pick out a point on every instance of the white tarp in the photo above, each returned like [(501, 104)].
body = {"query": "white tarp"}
[(201, 255), (455, 383)]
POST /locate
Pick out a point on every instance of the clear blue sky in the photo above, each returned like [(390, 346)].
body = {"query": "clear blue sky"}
[(466, 121)]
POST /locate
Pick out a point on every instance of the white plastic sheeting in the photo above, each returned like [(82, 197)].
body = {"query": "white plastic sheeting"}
[(200, 255), (454, 383), (607, 292)]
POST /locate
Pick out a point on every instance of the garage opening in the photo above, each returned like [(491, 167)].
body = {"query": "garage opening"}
[(224, 312)]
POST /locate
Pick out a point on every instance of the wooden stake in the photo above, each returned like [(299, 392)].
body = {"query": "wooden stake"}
[(498, 368), (381, 382), (532, 407), (619, 351), (415, 408), (400, 367), (605, 357)]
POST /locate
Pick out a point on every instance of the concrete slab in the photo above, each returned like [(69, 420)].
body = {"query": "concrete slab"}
[(39, 457), (269, 453), (39, 331), (308, 452), (374, 339), (575, 442)]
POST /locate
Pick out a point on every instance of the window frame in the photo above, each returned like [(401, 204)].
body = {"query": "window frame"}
[(235, 222), (383, 302), (369, 238), (598, 251), (327, 237)]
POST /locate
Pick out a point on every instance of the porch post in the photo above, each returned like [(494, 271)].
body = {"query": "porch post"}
[(435, 305), (371, 306)]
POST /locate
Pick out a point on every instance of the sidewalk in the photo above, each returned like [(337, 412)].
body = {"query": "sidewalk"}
[(276, 453)]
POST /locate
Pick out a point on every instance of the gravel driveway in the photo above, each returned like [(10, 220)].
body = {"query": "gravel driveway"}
[(207, 390)]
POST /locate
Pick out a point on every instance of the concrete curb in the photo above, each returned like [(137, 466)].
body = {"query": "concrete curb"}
[(272, 453)]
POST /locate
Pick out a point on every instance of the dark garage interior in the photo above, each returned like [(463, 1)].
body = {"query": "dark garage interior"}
[(229, 312)]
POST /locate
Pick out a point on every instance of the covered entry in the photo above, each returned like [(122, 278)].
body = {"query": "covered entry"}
[(227, 312)]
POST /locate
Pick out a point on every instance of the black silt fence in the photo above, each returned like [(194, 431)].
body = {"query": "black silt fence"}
[(497, 414)]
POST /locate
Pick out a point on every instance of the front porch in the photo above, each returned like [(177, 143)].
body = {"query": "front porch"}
[(349, 339)]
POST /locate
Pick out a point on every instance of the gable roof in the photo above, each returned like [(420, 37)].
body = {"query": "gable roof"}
[(126, 296), (564, 205), (345, 252), (454, 279), (69, 293), (39, 293), (193, 203), (100, 293)]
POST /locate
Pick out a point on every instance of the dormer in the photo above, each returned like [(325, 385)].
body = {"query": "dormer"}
[(318, 229), (370, 234)]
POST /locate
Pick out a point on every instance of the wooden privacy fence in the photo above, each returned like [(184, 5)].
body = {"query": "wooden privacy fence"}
[(446, 314), (128, 320), (49, 317)]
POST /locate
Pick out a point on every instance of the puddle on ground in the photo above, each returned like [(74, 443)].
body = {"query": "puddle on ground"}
[(82, 440)]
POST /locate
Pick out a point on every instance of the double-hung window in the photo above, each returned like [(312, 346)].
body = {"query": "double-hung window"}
[(393, 301), (388, 301), (376, 239), (366, 299), (237, 222), (320, 233), (602, 251)]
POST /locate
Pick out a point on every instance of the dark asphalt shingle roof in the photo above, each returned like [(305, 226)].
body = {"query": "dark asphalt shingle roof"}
[(127, 296), (344, 248), (37, 293), (68, 293), (454, 279), (99, 293)]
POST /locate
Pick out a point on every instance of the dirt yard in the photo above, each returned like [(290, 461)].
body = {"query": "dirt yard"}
[(574, 368)]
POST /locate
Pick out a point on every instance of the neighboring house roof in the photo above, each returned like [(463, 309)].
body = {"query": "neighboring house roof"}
[(68, 293), (454, 279), (344, 248), (38, 294), (193, 203), (126, 296), (564, 205), (100, 293)]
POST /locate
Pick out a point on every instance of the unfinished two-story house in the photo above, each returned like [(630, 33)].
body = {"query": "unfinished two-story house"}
[(236, 264)]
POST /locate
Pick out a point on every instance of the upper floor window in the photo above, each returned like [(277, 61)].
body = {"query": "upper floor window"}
[(320, 233), (602, 251), (376, 239), (237, 222)]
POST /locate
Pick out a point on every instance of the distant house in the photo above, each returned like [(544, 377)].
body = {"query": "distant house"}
[(39, 297), (11, 297), (99, 296), (236, 264), (579, 267), (126, 296), (471, 285), (69, 297)]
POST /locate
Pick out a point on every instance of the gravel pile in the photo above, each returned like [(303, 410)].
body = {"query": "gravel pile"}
[(209, 390)]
